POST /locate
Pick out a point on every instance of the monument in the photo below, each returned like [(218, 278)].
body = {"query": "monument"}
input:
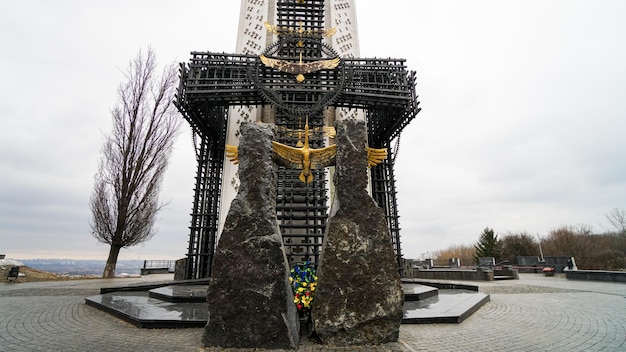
[(359, 295), (332, 116)]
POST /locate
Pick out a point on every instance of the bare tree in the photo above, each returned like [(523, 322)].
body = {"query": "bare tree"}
[(579, 242), (125, 199), (518, 244), (617, 218), (465, 253)]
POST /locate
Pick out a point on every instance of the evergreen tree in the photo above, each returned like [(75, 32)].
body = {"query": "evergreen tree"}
[(488, 245)]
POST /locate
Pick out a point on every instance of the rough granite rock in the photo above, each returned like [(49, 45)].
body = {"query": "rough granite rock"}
[(359, 296), (250, 299), (180, 268)]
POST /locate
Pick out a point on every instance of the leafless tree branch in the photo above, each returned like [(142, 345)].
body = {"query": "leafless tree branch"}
[(617, 219)]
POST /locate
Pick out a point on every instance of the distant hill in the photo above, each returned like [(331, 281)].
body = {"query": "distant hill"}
[(82, 267), (28, 274)]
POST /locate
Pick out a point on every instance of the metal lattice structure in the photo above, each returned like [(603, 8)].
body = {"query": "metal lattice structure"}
[(212, 82)]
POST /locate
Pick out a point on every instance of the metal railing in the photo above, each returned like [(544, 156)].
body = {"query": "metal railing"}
[(160, 264)]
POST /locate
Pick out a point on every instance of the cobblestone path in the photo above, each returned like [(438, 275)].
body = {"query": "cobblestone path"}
[(526, 315)]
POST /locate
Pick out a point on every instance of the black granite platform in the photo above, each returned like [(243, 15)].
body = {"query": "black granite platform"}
[(596, 275), (417, 292), (154, 284), (143, 311), (180, 293), (449, 306), (183, 305)]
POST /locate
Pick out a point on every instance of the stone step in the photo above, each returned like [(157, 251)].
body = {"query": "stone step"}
[(448, 307), (180, 293), (141, 310), (417, 292)]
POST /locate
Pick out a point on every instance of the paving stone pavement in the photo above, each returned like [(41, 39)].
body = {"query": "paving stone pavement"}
[(530, 314)]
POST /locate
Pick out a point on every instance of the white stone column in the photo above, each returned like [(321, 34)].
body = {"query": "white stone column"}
[(252, 39), (341, 14)]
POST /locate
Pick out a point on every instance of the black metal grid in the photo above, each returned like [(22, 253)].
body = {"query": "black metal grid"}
[(383, 186), (209, 143)]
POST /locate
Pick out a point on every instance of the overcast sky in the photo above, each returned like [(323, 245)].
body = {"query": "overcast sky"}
[(522, 127)]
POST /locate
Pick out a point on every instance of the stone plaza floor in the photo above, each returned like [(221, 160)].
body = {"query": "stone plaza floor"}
[(531, 314)]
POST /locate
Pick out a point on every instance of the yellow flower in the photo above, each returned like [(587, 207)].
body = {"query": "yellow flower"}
[(304, 284)]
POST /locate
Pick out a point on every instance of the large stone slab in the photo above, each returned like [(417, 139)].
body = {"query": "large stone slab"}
[(249, 297), (359, 296)]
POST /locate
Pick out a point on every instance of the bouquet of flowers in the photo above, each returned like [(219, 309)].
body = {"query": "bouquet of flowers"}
[(303, 282)]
